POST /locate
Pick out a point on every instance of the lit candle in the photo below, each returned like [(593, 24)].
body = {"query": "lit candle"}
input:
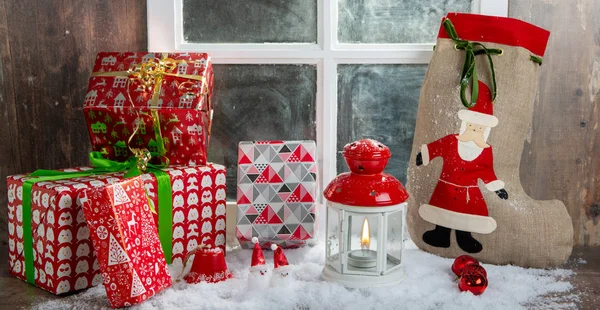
[(365, 257)]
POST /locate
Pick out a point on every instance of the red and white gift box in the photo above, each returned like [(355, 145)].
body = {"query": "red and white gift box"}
[(59, 232), (117, 102), (126, 242)]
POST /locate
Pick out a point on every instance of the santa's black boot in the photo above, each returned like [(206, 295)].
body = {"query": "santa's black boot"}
[(467, 243), (439, 237)]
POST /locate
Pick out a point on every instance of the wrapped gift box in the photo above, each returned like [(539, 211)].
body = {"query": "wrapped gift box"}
[(126, 242), (276, 194), (118, 101), (66, 261)]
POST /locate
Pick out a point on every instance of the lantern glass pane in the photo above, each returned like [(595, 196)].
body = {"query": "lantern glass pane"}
[(361, 240), (394, 240), (333, 238)]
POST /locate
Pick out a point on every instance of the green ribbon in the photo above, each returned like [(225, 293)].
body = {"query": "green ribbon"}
[(469, 72), (101, 165)]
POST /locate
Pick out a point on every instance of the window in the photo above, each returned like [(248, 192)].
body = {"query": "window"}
[(326, 70)]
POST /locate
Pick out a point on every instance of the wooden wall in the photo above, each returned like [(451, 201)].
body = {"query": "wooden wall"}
[(561, 159), (47, 49)]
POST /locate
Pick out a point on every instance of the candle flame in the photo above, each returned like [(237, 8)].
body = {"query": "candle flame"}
[(365, 239)]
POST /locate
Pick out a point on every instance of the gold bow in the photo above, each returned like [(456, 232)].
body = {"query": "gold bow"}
[(150, 74)]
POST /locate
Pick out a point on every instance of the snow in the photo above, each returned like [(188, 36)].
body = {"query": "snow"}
[(429, 284)]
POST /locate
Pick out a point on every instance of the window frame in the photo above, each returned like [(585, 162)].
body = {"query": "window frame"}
[(165, 34)]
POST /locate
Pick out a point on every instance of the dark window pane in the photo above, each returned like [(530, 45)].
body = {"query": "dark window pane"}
[(250, 21), (376, 21), (260, 102), (379, 102)]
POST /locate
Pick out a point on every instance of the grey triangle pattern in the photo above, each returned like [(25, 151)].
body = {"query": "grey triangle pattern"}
[(281, 213), (276, 198), (263, 230), (243, 220), (254, 232), (266, 156), (244, 179), (296, 210), (276, 159), (262, 148)]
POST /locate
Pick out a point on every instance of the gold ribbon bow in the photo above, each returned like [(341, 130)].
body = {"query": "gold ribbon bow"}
[(150, 75)]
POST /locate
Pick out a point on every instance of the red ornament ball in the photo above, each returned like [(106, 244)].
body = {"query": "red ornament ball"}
[(462, 261), (472, 281), (474, 268)]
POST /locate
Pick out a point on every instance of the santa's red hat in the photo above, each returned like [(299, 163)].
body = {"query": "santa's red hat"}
[(280, 262), (258, 259), (482, 113)]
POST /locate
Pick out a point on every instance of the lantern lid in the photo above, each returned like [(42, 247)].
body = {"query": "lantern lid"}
[(366, 185), (366, 149), (375, 190)]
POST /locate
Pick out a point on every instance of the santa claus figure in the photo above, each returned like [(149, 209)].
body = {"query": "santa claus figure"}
[(282, 275), (258, 279), (457, 202)]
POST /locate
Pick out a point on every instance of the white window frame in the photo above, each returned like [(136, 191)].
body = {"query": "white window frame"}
[(165, 34)]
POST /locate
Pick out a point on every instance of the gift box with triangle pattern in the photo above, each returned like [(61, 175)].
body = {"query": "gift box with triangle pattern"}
[(276, 195)]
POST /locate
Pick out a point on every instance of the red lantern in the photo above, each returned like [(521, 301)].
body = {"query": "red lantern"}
[(366, 185), (462, 261), (472, 281), (208, 266)]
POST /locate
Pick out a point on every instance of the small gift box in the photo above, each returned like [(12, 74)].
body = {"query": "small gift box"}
[(126, 242), (49, 241), (276, 194), (153, 96)]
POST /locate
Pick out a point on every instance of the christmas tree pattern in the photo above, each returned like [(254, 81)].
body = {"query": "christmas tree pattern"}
[(120, 196), (116, 254), (137, 287)]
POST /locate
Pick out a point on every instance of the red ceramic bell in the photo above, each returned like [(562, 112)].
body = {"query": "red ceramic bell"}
[(208, 266), (366, 184)]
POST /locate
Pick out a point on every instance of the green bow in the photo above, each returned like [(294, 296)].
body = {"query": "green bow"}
[(102, 165), (469, 72)]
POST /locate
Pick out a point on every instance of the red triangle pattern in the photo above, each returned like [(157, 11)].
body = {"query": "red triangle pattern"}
[(243, 200), (294, 197), (252, 210), (261, 179), (300, 233), (262, 218), (252, 170), (301, 195), (293, 158), (283, 196), (273, 176), (244, 160), (272, 216)]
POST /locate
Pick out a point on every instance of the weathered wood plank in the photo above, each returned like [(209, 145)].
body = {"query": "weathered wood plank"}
[(561, 159), (9, 150), (47, 50)]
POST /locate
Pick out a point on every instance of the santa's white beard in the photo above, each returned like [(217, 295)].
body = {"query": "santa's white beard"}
[(279, 280), (468, 150), (257, 281)]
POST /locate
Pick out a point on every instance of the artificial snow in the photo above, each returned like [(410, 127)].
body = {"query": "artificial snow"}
[(428, 284)]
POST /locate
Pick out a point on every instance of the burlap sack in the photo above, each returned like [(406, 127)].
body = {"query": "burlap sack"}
[(517, 230)]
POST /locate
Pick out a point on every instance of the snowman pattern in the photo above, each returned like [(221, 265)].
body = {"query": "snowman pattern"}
[(60, 223)]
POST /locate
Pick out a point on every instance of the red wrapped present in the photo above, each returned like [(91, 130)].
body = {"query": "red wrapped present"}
[(126, 242), (51, 222), (143, 92)]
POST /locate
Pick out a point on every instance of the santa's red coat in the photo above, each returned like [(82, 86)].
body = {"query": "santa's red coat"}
[(457, 188)]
